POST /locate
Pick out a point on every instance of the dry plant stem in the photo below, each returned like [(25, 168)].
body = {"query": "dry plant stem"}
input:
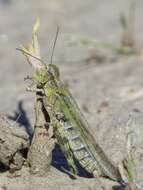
[(128, 170), (40, 152), (128, 25), (129, 167)]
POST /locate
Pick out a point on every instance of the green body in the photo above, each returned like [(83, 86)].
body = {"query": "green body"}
[(70, 127)]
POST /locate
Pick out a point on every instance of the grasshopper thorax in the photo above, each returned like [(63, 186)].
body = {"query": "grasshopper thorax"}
[(40, 76)]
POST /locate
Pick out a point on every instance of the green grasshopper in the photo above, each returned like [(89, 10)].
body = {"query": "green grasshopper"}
[(70, 127)]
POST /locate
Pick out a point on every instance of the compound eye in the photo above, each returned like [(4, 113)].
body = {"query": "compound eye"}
[(53, 69), (51, 83)]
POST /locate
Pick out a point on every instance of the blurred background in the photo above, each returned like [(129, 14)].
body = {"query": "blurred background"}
[(104, 76), (78, 20), (82, 23)]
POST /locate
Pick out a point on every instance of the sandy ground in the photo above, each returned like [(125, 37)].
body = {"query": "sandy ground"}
[(109, 94)]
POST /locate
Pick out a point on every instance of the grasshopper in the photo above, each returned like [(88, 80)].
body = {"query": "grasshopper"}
[(70, 127)]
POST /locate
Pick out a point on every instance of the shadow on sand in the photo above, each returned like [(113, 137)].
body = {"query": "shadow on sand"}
[(20, 116)]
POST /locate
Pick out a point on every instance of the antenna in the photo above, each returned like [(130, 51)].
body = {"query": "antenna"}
[(53, 48), (23, 51)]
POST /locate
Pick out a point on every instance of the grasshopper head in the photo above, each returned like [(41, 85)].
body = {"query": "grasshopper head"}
[(54, 71), (44, 75)]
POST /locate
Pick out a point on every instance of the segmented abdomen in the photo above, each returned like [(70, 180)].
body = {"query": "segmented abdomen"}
[(79, 148)]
